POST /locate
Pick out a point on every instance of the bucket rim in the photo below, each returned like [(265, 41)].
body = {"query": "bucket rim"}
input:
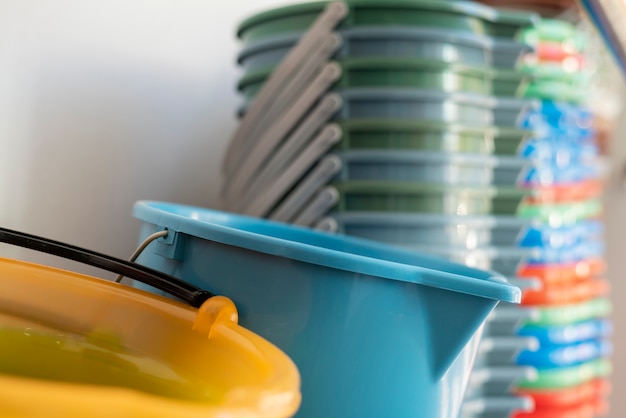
[(228, 229)]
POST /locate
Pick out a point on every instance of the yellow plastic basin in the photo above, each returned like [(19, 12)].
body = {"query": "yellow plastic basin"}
[(76, 346)]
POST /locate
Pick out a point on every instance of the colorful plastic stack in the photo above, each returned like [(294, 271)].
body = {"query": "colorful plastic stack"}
[(571, 307)]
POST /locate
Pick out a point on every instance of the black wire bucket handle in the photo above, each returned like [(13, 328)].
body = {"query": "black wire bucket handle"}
[(164, 282)]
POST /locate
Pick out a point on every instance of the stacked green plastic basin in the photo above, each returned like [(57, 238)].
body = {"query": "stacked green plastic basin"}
[(465, 89)]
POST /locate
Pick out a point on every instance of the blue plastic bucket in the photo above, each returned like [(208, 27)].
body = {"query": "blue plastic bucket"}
[(541, 175), (570, 333), (529, 351), (375, 331), (566, 255), (559, 115), (540, 235), (559, 152), (556, 356)]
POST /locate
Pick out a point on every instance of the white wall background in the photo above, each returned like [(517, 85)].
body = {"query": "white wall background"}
[(105, 103)]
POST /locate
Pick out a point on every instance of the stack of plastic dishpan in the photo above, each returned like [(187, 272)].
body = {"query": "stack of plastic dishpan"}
[(393, 121), (568, 314), (381, 106)]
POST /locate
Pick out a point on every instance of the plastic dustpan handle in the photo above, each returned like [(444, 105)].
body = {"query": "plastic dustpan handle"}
[(164, 282)]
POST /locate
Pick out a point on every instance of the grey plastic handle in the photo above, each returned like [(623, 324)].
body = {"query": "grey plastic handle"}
[(524, 284), (292, 91), (324, 201), (304, 192), (290, 119), (506, 376), (331, 16), (315, 149), (270, 157), (502, 407), (313, 64), (511, 345), (327, 224), (513, 314), (264, 202), (298, 167)]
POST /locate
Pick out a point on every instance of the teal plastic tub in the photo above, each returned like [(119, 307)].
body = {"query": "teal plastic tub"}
[(462, 16), (508, 171), (431, 229), (509, 111), (471, 110), (368, 325), (509, 24), (396, 42), (510, 83), (398, 72), (429, 167), (459, 16), (390, 42), (420, 105), (409, 135), (412, 73), (504, 260), (426, 167), (507, 141), (434, 136), (410, 197), (507, 53)]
